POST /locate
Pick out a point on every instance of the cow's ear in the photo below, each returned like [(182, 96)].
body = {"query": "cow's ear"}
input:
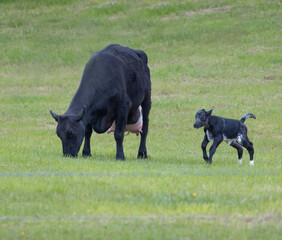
[(209, 112), (55, 116), (80, 115)]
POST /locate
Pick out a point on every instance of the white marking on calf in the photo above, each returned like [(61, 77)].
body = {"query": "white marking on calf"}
[(227, 140), (209, 136), (240, 161), (252, 163), (240, 138)]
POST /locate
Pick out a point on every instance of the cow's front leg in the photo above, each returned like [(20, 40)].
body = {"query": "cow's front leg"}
[(146, 106), (86, 149), (119, 131), (214, 146), (204, 147)]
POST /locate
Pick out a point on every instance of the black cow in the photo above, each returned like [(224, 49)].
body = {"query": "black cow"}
[(114, 92)]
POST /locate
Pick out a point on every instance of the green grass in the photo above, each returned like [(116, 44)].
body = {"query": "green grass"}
[(224, 55)]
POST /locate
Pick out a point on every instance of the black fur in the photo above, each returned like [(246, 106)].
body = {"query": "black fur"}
[(218, 129)]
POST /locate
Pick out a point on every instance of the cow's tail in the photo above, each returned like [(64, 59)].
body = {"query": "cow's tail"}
[(248, 115)]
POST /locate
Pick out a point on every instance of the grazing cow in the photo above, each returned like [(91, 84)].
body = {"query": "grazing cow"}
[(114, 95)]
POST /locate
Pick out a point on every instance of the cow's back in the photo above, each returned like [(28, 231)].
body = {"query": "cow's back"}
[(136, 72), (118, 68), (110, 74)]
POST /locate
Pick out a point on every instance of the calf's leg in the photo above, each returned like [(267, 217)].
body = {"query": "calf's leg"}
[(239, 150), (204, 147), (249, 146), (214, 146)]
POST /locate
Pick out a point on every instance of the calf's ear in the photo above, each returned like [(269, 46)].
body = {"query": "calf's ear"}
[(55, 116), (209, 112)]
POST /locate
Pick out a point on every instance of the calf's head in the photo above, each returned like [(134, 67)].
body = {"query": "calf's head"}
[(202, 118), (71, 131)]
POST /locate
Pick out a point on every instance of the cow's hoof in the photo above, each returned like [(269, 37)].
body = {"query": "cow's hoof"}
[(142, 155), (70, 155), (86, 155), (122, 158)]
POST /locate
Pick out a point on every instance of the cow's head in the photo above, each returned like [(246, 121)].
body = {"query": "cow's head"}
[(71, 131), (202, 118)]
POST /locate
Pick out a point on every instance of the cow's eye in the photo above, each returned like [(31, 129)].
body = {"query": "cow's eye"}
[(203, 118)]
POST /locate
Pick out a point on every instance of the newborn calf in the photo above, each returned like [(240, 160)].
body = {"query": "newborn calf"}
[(218, 129)]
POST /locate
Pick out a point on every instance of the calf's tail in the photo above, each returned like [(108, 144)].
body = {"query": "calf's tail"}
[(248, 115)]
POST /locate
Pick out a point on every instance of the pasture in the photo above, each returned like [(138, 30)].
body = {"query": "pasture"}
[(223, 54)]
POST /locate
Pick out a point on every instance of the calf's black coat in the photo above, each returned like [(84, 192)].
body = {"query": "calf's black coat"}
[(115, 82), (218, 129)]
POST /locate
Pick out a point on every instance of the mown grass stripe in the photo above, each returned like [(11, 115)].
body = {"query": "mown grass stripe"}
[(142, 218), (133, 174)]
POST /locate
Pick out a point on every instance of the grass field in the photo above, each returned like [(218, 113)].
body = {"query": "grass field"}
[(224, 55)]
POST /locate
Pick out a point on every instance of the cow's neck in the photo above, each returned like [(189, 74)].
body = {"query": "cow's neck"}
[(78, 103)]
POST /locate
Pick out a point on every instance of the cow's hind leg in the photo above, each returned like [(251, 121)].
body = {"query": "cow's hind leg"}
[(146, 107), (122, 114), (86, 149)]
